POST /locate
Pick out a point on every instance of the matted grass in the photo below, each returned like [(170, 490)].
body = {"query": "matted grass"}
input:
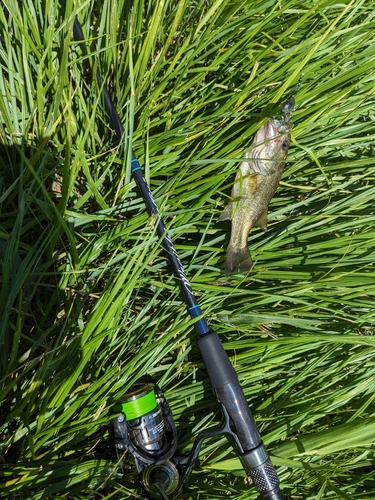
[(88, 303)]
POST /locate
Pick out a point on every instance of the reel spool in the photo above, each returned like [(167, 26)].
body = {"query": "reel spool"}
[(146, 429)]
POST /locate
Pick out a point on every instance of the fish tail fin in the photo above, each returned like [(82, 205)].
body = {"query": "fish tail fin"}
[(238, 260)]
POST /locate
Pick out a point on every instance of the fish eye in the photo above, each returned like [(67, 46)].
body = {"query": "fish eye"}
[(285, 145)]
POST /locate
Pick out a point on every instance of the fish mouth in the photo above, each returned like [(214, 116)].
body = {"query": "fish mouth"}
[(269, 130), (276, 128), (272, 129)]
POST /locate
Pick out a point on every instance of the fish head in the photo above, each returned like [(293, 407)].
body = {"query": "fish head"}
[(271, 144)]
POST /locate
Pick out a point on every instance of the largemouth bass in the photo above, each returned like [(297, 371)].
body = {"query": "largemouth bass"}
[(254, 186)]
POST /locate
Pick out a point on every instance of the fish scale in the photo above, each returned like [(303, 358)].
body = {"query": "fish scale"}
[(254, 186)]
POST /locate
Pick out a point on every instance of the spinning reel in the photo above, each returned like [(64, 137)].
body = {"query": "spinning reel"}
[(146, 430), (146, 438)]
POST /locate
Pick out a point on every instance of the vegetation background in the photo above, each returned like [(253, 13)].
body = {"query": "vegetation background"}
[(88, 304)]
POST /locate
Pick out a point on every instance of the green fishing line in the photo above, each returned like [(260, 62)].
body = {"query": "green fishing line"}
[(138, 405)]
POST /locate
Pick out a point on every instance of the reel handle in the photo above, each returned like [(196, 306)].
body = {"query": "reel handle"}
[(228, 391)]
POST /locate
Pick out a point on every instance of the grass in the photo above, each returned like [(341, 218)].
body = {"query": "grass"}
[(88, 304)]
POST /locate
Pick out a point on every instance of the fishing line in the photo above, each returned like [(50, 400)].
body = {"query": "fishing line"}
[(139, 402)]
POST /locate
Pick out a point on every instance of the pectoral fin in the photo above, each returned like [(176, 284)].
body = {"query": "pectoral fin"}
[(226, 214), (244, 186), (252, 182)]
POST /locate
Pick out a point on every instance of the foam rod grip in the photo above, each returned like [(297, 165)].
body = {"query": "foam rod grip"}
[(220, 370)]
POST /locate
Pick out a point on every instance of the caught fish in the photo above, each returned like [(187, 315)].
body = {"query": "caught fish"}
[(254, 186)]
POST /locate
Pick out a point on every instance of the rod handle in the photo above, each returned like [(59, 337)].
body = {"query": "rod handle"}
[(219, 368), (228, 391), (241, 424)]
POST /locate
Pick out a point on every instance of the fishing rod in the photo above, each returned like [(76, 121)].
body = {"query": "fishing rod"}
[(145, 426)]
